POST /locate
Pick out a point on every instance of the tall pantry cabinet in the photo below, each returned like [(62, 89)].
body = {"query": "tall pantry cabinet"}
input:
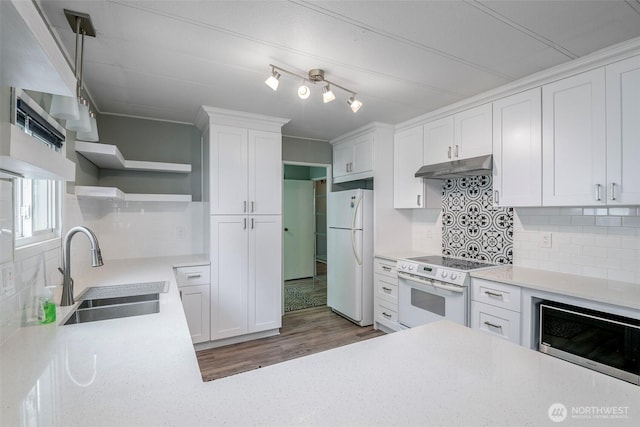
[(243, 162)]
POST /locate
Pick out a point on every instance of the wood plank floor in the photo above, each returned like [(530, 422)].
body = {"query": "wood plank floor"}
[(303, 332)]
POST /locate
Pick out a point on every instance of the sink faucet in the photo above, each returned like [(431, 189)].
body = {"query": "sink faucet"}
[(96, 261)]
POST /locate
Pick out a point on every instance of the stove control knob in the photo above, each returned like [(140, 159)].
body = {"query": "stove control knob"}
[(443, 274), (404, 266), (454, 276), (410, 267)]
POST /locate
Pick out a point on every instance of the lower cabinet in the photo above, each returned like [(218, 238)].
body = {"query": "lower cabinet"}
[(193, 283), (495, 309), (246, 284), (386, 295)]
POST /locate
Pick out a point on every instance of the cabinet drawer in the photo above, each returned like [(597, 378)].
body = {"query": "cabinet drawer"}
[(384, 266), (387, 289), (496, 294), (194, 275), (496, 321), (385, 314)]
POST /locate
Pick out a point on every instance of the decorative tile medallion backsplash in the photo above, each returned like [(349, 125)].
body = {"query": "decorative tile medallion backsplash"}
[(471, 226)]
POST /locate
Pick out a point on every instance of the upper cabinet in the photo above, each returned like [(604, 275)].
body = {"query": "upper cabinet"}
[(517, 150), (408, 191), (472, 132), (574, 145), (244, 161), (623, 132), (460, 136), (353, 158), (246, 171)]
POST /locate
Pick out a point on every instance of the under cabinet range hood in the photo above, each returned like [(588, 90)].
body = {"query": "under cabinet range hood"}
[(481, 165)]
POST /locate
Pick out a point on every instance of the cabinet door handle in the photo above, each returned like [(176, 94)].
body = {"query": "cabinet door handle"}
[(253, 206), (388, 316), (494, 294), (193, 276), (387, 290), (491, 325), (612, 196), (419, 200), (598, 198), (385, 268), (245, 223), (252, 223), (455, 153), (496, 197), (244, 206), (449, 152)]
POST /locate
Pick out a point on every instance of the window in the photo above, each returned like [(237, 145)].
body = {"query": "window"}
[(37, 210)]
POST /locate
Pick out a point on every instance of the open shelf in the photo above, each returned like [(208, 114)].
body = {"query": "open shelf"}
[(108, 156), (114, 193)]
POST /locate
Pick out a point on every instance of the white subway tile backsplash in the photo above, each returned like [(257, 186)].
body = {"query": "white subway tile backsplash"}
[(600, 273), (620, 275), (560, 220), (608, 221), (631, 221), (583, 220), (594, 251), (622, 231), (595, 211), (570, 211), (623, 211), (621, 254)]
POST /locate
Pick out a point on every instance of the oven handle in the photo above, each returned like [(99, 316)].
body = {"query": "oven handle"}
[(436, 284)]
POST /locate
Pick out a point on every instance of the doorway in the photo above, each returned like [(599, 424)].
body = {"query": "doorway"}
[(304, 238)]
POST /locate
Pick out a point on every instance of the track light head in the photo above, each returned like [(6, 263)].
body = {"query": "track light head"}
[(354, 104), (304, 91), (327, 94), (273, 80)]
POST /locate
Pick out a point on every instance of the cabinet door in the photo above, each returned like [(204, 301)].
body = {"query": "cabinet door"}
[(229, 266), (623, 132), (265, 272), (408, 191), (342, 159), (438, 141), (573, 141), (517, 150), (472, 132), (265, 173), (196, 305), (228, 170), (363, 154)]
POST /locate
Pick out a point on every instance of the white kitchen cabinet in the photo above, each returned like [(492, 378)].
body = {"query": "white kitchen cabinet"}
[(517, 150), (194, 286), (245, 171), (246, 283), (496, 308), (460, 136), (353, 158), (573, 141), (623, 132), (438, 141), (408, 191), (473, 132), (386, 295)]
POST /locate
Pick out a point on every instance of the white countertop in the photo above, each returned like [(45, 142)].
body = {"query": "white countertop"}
[(601, 290), (394, 256), (143, 371)]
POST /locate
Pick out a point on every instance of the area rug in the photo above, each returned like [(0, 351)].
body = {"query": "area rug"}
[(296, 299)]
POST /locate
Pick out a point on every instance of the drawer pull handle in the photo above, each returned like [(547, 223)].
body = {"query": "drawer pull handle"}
[(387, 290), (194, 276), (494, 294), (388, 316), (385, 268), (491, 325)]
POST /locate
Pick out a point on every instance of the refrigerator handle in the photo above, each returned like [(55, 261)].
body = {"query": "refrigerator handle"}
[(353, 231)]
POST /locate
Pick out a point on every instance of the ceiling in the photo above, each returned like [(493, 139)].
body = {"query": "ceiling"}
[(163, 59)]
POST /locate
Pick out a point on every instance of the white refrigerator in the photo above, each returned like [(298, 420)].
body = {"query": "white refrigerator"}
[(350, 254)]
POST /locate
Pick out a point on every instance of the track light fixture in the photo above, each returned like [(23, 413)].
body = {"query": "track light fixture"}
[(314, 76)]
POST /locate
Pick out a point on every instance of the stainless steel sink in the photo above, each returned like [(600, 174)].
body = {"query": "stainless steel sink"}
[(91, 310)]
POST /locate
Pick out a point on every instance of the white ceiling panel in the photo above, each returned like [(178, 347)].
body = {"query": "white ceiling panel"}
[(163, 59)]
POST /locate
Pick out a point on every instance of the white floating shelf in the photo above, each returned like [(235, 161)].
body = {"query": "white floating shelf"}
[(108, 156), (113, 193)]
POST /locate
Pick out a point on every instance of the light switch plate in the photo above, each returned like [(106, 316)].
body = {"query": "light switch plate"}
[(545, 239)]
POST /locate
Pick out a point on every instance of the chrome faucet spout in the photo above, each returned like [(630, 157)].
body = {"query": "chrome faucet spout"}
[(96, 261)]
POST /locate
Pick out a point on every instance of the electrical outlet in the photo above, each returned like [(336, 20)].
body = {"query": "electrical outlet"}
[(545, 239), (180, 232), (8, 284)]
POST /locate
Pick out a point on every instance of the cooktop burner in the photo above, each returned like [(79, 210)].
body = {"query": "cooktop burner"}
[(455, 263)]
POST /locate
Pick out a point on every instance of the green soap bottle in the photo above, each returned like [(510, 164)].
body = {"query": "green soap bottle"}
[(46, 307)]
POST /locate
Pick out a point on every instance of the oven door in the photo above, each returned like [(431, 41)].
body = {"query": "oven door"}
[(422, 301)]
